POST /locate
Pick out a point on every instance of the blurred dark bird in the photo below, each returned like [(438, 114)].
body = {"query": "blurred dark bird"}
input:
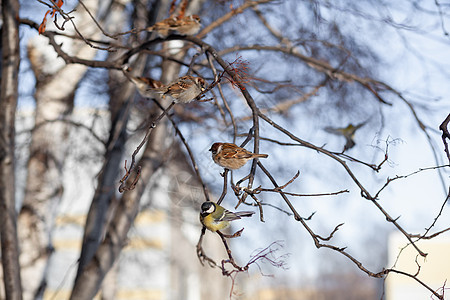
[(347, 132), (188, 25)]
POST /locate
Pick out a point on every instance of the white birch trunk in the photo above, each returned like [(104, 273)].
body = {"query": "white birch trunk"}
[(56, 83)]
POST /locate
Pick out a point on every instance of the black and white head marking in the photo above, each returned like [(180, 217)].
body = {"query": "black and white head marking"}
[(208, 207)]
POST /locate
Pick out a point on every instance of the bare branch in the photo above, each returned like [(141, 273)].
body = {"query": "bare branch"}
[(97, 24), (364, 192), (441, 16), (445, 135), (201, 254), (152, 125), (188, 149), (225, 184), (229, 15), (10, 61)]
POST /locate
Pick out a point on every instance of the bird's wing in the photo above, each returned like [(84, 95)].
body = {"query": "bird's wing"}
[(332, 130), (244, 154), (357, 126), (245, 213), (229, 216), (231, 152)]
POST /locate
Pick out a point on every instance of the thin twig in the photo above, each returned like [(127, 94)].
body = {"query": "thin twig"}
[(225, 184), (95, 21), (445, 135), (128, 171), (202, 257), (188, 149)]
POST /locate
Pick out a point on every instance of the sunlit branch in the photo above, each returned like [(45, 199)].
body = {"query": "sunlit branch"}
[(389, 180), (277, 190), (364, 192), (69, 59), (421, 126), (229, 15), (96, 23), (224, 101), (201, 254), (68, 18), (260, 189), (225, 184), (267, 255), (439, 296), (258, 203), (123, 187), (427, 230), (375, 167), (110, 44), (317, 64), (314, 236), (230, 259), (441, 16)]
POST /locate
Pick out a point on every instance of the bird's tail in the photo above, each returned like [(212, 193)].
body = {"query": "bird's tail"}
[(244, 213), (151, 83), (261, 155)]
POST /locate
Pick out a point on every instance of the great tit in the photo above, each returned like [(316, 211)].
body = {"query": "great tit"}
[(215, 217)]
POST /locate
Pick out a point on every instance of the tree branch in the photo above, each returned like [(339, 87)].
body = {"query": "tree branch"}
[(8, 102)]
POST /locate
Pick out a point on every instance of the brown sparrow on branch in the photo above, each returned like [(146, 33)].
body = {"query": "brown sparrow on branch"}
[(232, 157), (188, 25), (184, 90)]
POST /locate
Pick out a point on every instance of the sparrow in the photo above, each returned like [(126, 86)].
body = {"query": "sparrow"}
[(188, 25), (184, 90), (347, 132), (232, 157), (214, 217)]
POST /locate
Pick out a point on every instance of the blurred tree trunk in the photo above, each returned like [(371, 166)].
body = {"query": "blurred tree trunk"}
[(121, 95), (56, 84), (90, 278), (102, 204), (8, 102), (103, 241)]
